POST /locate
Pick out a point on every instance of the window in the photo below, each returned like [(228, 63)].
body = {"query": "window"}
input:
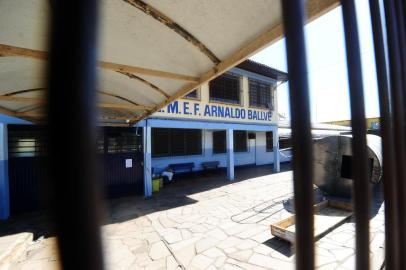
[(176, 142), (26, 141), (240, 141), (285, 143), (260, 94), (192, 94), (122, 142), (118, 140), (225, 88), (219, 142), (220, 145), (269, 141)]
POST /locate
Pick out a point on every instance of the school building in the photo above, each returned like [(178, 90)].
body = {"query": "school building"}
[(230, 121)]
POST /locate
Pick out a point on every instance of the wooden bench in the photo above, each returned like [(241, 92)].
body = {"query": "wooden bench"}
[(210, 165), (182, 167)]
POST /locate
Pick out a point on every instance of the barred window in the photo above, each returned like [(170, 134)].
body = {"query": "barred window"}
[(260, 94), (269, 141), (176, 142), (26, 141), (118, 140), (123, 142), (225, 88), (239, 138)]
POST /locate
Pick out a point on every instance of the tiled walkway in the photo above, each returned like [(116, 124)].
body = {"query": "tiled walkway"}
[(208, 223)]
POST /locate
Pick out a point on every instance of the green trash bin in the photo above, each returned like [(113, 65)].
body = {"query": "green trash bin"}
[(155, 184)]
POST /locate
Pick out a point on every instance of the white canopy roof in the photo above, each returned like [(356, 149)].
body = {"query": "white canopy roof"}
[(151, 52)]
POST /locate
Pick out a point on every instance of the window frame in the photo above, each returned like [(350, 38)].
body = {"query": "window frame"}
[(269, 148), (221, 151), (170, 138), (258, 104), (239, 78), (236, 149)]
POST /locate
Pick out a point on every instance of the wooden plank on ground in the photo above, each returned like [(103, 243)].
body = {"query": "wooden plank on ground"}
[(328, 215)]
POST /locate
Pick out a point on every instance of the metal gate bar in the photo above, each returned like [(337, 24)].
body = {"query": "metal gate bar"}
[(293, 19), (75, 196), (400, 17), (388, 147), (72, 119), (362, 191), (397, 97)]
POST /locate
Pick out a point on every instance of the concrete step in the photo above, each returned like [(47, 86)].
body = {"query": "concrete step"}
[(12, 247)]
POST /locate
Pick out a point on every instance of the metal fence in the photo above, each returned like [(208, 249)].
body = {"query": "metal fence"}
[(73, 55)]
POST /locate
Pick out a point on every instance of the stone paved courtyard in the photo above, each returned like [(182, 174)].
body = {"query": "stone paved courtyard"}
[(209, 223)]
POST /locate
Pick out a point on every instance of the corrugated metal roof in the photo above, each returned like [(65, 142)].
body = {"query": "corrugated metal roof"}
[(264, 70)]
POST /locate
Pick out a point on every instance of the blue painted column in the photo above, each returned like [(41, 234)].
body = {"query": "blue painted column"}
[(230, 154), (147, 162), (276, 153), (4, 186)]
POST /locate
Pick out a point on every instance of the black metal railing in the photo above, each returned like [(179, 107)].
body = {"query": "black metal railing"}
[(75, 196), (72, 97)]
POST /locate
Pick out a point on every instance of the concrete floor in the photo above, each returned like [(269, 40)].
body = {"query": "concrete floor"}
[(205, 222)]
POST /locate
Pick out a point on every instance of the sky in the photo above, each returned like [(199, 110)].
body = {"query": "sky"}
[(327, 66)]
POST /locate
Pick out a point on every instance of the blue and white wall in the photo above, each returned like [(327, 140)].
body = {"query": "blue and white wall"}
[(256, 154)]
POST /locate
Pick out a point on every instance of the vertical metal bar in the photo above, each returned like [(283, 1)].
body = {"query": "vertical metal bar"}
[(401, 34), (293, 19), (397, 97), (389, 168), (362, 191), (71, 110)]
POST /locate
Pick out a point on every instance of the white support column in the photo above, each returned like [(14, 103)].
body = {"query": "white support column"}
[(147, 162), (4, 184), (276, 154), (230, 154)]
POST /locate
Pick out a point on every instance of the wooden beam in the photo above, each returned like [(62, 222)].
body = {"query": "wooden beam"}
[(124, 106), (315, 9), (118, 97), (164, 19), (43, 89), (153, 86), (146, 71), (7, 50), (31, 115), (35, 101), (7, 111)]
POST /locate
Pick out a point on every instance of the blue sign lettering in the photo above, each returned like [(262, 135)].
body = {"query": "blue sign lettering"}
[(173, 107), (219, 111)]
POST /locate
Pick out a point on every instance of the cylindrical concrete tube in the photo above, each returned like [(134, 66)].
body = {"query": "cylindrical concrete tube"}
[(333, 167)]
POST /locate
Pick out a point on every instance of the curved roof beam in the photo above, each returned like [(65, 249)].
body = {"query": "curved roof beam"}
[(153, 86), (7, 50), (43, 89), (40, 101), (7, 111), (25, 91), (159, 16)]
